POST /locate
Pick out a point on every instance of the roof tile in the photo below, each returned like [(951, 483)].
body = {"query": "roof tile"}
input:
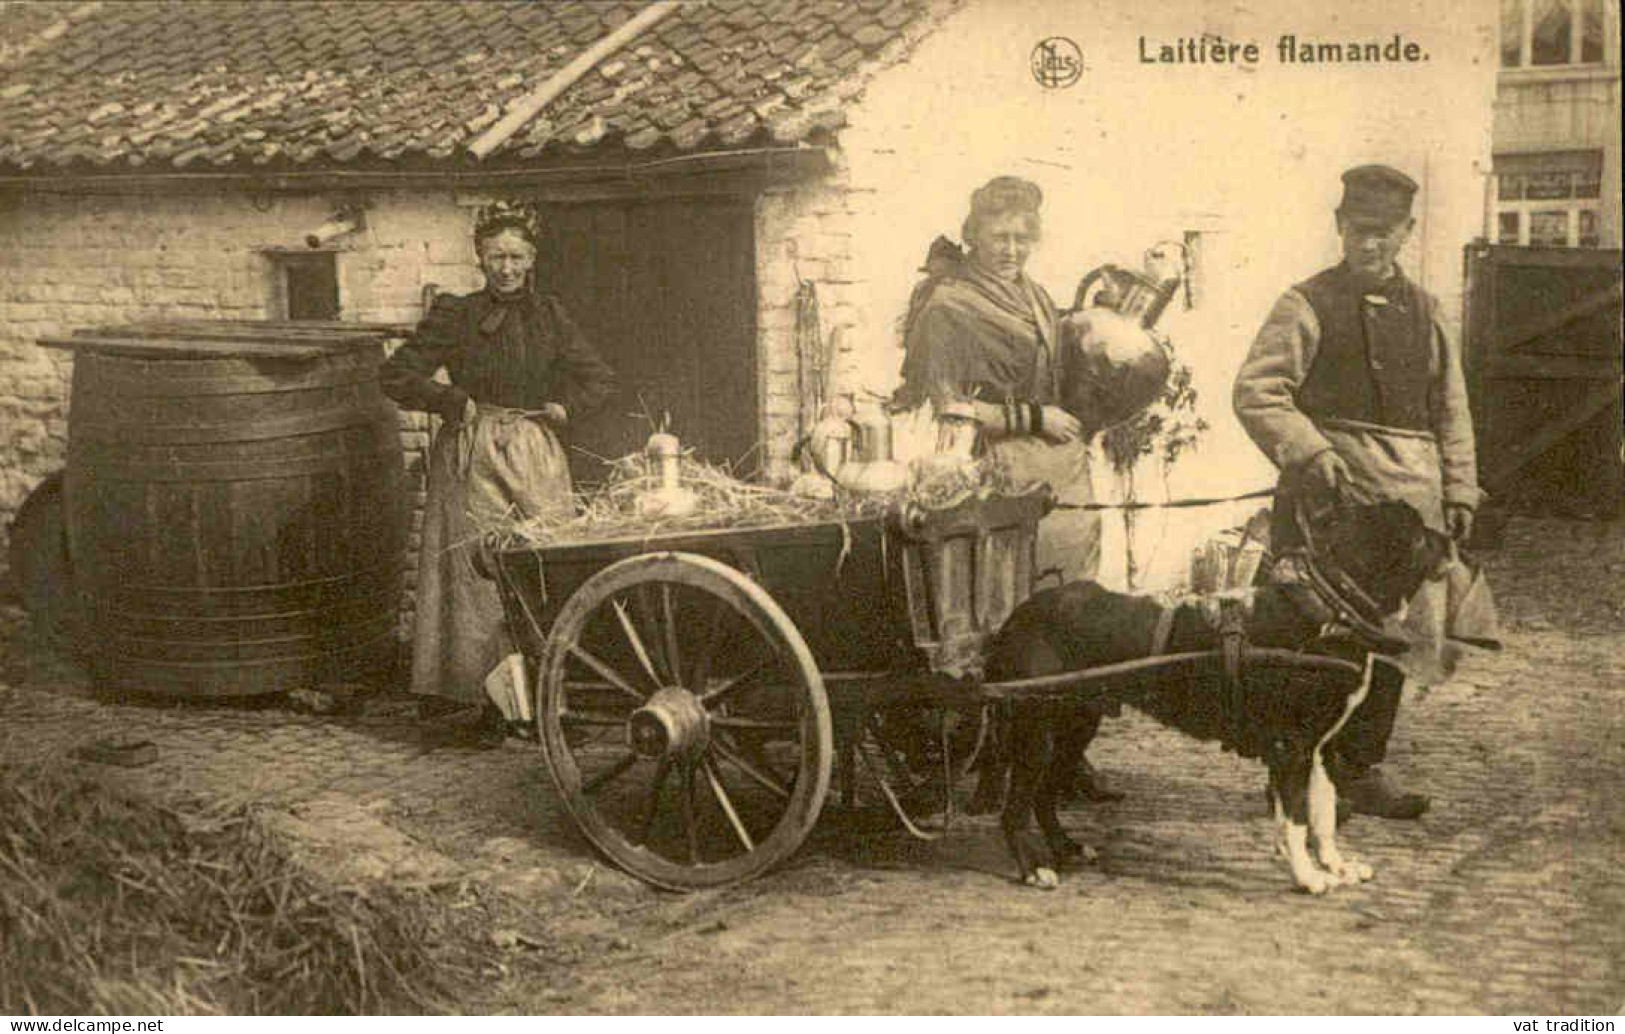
[(171, 83)]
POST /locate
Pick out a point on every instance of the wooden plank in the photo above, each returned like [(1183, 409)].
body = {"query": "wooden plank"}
[(1597, 399), (190, 348), (313, 326), (1553, 258), (1478, 326), (247, 329), (1554, 368), (1607, 298)]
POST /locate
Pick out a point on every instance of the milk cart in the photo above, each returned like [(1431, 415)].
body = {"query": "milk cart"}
[(696, 691)]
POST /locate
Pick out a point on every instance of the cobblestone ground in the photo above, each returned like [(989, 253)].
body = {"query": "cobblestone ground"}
[(1506, 898)]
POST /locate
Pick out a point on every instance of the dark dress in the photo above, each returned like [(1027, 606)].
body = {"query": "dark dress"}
[(512, 355)]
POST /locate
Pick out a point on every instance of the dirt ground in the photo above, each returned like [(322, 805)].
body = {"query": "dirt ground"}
[(1506, 898)]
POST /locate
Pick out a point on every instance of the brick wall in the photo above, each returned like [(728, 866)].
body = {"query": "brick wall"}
[(804, 234), (71, 262)]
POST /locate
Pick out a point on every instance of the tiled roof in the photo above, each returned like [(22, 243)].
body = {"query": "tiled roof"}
[(268, 84)]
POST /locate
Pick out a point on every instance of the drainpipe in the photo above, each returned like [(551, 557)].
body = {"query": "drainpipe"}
[(527, 106)]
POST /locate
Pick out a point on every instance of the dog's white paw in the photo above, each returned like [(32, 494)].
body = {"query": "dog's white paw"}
[(1315, 881), (1344, 870), (1072, 851), (1351, 870), (1043, 878)]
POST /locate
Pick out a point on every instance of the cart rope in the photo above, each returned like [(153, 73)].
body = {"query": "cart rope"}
[(1171, 504), (891, 797)]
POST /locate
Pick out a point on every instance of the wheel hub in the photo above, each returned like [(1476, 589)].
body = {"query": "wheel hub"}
[(671, 724)]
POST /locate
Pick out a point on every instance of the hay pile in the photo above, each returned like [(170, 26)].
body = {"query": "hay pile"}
[(110, 904), (610, 511)]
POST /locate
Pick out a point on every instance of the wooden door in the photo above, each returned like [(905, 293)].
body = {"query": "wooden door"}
[(666, 291), (1543, 357)]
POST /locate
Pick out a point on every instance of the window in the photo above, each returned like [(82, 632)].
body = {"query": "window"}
[(1543, 33), (305, 285), (1548, 200)]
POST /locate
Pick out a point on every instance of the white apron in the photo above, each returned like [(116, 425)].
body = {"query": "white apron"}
[(505, 467)]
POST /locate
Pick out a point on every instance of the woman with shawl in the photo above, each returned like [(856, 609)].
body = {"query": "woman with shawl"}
[(979, 328)]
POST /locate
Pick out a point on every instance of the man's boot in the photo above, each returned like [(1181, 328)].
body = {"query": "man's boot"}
[(1369, 792)]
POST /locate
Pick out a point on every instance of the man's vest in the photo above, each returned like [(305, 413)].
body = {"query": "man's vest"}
[(1375, 360)]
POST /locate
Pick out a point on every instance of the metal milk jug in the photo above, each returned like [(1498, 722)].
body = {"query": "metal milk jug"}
[(1112, 366), (871, 467)]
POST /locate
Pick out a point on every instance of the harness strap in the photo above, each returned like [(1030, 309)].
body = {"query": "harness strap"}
[(1233, 643), (1164, 629), (1349, 603)]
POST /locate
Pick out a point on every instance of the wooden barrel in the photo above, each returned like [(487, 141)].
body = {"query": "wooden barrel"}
[(236, 517)]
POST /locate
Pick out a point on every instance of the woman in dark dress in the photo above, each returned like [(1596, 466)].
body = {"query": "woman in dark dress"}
[(520, 373)]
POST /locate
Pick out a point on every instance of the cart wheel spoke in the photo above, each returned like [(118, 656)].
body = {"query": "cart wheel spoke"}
[(691, 826), (600, 780), (701, 669), (728, 721), (714, 696), (652, 809), (727, 806), (767, 781), (668, 625), (652, 621), (608, 674), (591, 718), (635, 641)]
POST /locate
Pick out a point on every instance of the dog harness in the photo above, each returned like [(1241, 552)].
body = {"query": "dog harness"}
[(1233, 643), (1227, 614), (1351, 606)]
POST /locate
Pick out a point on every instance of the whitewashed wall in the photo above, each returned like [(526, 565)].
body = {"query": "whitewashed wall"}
[(1136, 153)]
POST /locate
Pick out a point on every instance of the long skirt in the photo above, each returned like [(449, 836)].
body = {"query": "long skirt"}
[(507, 466)]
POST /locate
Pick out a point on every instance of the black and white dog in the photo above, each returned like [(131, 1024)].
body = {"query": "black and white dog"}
[(1369, 560)]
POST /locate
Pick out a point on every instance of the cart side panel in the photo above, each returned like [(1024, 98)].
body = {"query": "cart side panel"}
[(966, 568), (840, 584), (846, 597)]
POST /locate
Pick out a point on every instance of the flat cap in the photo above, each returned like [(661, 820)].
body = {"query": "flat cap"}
[(1377, 192)]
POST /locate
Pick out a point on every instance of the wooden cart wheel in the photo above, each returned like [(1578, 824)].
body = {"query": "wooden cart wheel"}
[(684, 721)]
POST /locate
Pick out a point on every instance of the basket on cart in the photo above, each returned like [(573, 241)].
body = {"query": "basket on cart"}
[(695, 690)]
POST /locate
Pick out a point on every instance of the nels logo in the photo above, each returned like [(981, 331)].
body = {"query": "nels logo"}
[(1057, 63)]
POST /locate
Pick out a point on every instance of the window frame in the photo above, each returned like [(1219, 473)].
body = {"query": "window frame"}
[(1577, 12), (1525, 208), (281, 260)]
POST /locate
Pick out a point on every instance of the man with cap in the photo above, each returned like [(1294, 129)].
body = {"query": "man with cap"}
[(1354, 391)]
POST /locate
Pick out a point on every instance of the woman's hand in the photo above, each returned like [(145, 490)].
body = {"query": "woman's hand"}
[(1059, 426)]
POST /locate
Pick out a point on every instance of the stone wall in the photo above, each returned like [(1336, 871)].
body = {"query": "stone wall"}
[(68, 262)]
